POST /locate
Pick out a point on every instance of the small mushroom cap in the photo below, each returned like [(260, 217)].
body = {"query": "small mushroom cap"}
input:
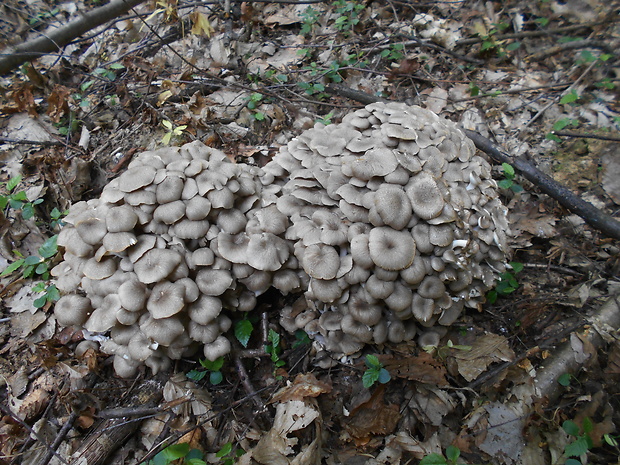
[(156, 264), (170, 213), (125, 367), (99, 270), (136, 177), (91, 229), (133, 295), (122, 218), (205, 334), (321, 261), (213, 282), (72, 309), (163, 331), (71, 240), (393, 206), (205, 310), (267, 252), (390, 249), (116, 242), (166, 299), (426, 198), (218, 348)]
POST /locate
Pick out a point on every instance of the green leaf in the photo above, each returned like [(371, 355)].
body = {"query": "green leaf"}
[(384, 376), (196, 375), (505, 183), (516, 188), (542, 21), (13, 182), (225, 450), (32, 260), (570, 427), (610, 440), (27, 211), (53, 294), (573, 462), (553, 137), (117, 66), (576, 448), (3, 202), (274, 338), (176, 451), (516, 266), (570, 97), (40, 302), (215, 365), (370, 377), (194, 454), (492, 297), (587, 425), (373, 362), (12, 267), (513, 46), (42, 268), (259, 116), (453, 453), (605, 57), (243, 331), (434, 459), (508, 169), (195, 461), (49, 247), (216, 378)]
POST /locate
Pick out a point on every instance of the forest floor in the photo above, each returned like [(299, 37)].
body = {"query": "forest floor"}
[(533, 378)]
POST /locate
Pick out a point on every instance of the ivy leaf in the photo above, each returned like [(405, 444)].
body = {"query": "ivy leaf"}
[(516, 266), (243, 331), (13, 182)]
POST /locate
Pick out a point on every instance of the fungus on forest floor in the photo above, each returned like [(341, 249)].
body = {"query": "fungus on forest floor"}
[(388, 223)]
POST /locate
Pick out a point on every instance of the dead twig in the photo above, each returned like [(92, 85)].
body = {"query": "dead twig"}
[(561, 48), (44, 143), (586, 135), (592, 215), (60, 37)]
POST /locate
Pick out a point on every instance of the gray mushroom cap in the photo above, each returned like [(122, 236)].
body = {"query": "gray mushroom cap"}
[(390, 249)]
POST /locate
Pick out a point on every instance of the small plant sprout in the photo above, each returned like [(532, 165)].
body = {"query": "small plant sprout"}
[(243, 331), (581, 443), (178, 453), (228, 454), (212, 368), (327, 119), (172, 131), (253, 103), (310, 18), (375, 372), (274, 349), (506, 284), (560, 125), (17, 200), (301, 339), (508, 181), (452, 455)]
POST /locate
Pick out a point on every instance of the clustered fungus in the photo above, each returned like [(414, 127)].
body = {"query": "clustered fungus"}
[(388, 223)]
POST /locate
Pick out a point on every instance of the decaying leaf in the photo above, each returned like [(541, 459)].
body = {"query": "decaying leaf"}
[(431, 404), (487, 349), (422, 367), (305, 385), (373, 417)]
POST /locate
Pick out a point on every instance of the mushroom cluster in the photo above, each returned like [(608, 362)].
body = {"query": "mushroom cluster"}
[(387, 222)]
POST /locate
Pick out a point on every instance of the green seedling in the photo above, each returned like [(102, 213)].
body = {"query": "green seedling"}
[(394, 53), (301, 339), (375, 372), (178, 452), (582, 441), (17, 200), (171, 131), (451, 457), (274, 349), (213, 368), (508, 181), (109, 73), (327, 119), (349, 12), (506, 284), (310, 18), (254, 101), (560, 125), (228, 454)]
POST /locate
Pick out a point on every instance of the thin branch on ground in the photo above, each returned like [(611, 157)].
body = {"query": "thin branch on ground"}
[(60, 37), (586, 135)]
